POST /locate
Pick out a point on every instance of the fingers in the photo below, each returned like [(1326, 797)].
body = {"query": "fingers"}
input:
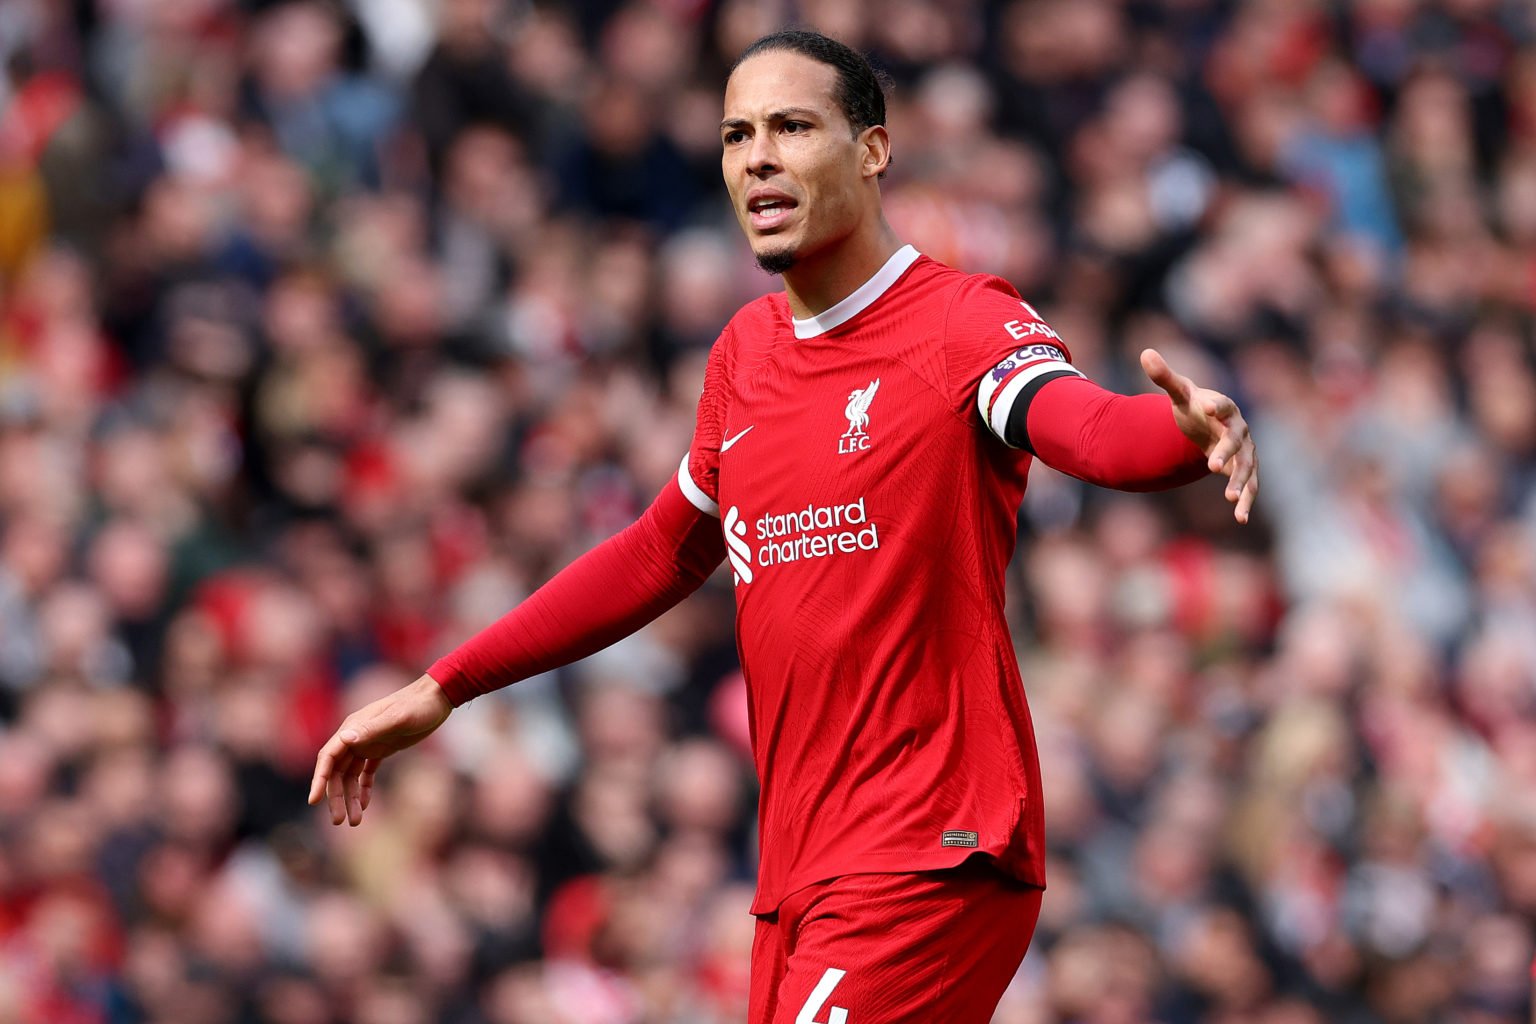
[(325, 767), (1214, 413), (1241, 467), (1239, 472), (346, 766), (335, 788), (365, 780), (337, 778), (1234, 435), (349, 788), (1220, 406), (1249, 495), (1178, 386)]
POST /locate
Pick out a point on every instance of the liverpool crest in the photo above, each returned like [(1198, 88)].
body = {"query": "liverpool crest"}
[(856, 437)]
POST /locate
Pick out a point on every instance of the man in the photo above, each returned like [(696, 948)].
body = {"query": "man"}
[(859, 457)]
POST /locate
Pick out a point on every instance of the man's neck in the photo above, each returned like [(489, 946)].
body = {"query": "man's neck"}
[(815, 285)]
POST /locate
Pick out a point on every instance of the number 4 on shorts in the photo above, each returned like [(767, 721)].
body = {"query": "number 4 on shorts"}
[(819, 995)]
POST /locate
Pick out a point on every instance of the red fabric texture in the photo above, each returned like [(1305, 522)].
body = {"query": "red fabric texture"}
[(938, 946), (1128, 442), (597, 600)]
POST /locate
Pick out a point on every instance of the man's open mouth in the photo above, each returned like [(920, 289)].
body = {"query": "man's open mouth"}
[(769, 211)]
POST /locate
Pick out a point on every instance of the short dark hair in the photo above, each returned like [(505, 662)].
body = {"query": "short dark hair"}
[(860, 88)]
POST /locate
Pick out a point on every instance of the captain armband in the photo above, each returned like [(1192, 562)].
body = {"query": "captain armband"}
[(1005, 392)]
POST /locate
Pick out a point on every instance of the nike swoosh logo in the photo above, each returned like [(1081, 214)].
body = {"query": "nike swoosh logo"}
[(727, 445)]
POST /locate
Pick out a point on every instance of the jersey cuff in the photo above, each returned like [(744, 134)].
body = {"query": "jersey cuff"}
[(694, 493), (1017, 391)]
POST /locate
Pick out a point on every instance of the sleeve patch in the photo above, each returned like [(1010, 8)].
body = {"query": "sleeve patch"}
[(1001, 388), (1001, 372)]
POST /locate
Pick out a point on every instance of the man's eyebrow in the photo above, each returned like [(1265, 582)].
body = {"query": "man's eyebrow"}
[(777, 115)]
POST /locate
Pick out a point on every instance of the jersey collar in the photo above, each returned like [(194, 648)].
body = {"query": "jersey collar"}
[(862, 297)]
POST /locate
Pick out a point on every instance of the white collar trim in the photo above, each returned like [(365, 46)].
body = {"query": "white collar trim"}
[(861, 298)]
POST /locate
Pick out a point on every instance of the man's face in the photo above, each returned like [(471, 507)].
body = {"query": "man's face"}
[(796, 171)]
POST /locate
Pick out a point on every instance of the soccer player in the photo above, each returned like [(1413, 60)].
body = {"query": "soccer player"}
[(859, 457)]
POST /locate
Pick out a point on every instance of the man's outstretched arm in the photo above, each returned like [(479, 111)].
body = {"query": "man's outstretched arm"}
[(600, 598), (1137, 442)]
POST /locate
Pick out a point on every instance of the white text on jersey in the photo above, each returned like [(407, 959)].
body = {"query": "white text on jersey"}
[(839, 529), (816, 531)]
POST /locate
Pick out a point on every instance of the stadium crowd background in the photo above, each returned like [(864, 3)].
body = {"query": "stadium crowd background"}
[(328, 331)]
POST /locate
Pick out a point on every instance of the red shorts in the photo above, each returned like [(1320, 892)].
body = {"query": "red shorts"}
[(936, 946)]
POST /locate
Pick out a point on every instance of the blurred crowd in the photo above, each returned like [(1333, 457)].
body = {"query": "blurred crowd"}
[(328, 330)]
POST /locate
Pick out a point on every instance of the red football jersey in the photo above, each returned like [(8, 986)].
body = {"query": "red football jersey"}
[(869, 511)]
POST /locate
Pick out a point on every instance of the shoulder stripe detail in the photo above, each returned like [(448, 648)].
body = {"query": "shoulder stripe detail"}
[(1013, 387), (862, 297), (694, 493)]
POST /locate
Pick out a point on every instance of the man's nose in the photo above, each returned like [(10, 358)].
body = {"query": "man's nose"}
[(762, 156)]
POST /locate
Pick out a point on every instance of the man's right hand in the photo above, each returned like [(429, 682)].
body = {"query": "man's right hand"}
[(346, 765)]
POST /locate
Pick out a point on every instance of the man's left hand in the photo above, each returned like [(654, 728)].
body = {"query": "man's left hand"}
[(1213, 422)]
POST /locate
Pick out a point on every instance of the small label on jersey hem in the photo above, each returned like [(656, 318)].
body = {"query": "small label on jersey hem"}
[(956, 837)]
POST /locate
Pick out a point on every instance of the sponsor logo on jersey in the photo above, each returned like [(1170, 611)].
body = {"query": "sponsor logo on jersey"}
[(856, 437), (1034, 327), (1021, 329), (1027, 354), (816, 531), (736, 549)]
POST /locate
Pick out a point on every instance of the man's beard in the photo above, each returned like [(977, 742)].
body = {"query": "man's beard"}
[(775, 261)]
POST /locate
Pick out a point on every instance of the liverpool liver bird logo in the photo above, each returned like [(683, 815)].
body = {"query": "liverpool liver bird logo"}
[(857, 410)]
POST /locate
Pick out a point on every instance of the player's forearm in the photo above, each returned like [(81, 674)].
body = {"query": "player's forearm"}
[(1128, 442), (600, 598)]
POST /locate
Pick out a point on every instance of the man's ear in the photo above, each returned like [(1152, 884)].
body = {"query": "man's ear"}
[(877, 150)]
